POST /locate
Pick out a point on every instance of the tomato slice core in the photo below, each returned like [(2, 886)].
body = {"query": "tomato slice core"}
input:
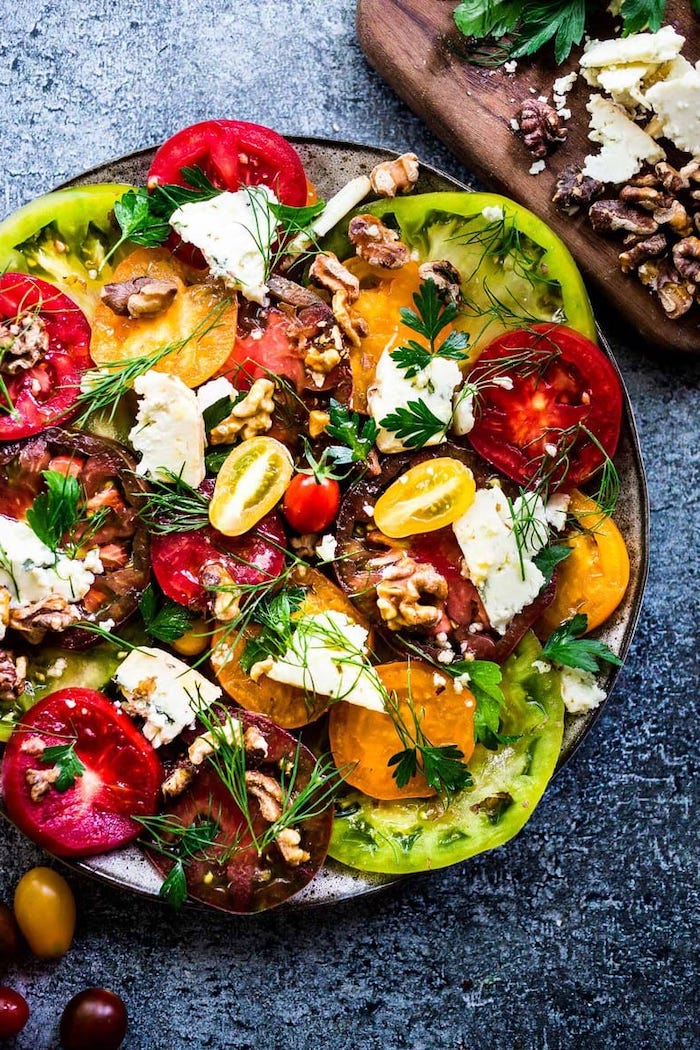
[(47, 392), (558, 415), (121, 777)]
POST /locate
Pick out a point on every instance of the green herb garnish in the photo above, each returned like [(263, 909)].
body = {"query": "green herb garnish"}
[(357, 435), (69, 766), (164, 619), (566, 647), (415, 424)]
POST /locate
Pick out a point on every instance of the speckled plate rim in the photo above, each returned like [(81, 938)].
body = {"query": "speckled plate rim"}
[(330, 164)]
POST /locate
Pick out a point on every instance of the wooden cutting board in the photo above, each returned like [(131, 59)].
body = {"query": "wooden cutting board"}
[(414, 45)]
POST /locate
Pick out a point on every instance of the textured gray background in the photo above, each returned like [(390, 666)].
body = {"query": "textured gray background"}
[(582, 932)]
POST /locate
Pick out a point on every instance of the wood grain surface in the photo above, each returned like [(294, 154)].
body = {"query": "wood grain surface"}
[(415, 46)]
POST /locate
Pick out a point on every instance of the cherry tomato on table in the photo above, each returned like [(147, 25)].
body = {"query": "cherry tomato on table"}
[(233, 153), (310, 504), (559, 415), (14, 1012), (95, 1018), (116, 775), (57, 336), (45, 912)]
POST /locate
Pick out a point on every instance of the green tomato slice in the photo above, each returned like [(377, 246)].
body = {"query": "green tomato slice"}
[(64, 237), (412, 835), (514, 270)]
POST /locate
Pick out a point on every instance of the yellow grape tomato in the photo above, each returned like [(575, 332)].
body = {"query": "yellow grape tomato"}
[(251, 482), (427, 497), (45, 912)]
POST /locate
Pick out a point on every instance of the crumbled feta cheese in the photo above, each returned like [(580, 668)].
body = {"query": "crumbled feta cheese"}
[(328, 656), (169, 430), (434, 385), (493, 213), (327, 548), (515, 124), (537, 168), (463, 418), (234, 232), (31, 572), (510, 66), (580, 691), (625, 146), (541, 666), (164, 691), (650, 48), (498, 557), (213, 391), (677, 105), (56, 669), (368, 509), (564, 112), (445, 656), (439, 682), (556, 510), (563, 85)]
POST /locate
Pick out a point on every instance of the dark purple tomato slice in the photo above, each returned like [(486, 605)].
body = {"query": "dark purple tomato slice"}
[(178, 559), (117, 775), (247, 879), (363, 554), (46, 392)]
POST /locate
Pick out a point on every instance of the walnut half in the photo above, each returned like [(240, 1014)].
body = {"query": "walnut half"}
[(402, 594), (250, 416)]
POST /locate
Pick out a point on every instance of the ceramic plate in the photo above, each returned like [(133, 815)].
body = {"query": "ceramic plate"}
[(330, 165)]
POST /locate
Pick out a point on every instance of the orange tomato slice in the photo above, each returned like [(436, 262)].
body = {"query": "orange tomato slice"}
[(288, 705), (199, 301), (594, 577), (363, 741)]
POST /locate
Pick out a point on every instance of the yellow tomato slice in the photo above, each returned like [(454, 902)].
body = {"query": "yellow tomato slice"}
[(363, 741), (288, 705), (203, 313), (251, 482), (594, 578), (427, 497)]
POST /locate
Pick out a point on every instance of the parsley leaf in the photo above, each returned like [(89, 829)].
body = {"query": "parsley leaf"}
[(480, 19), (166, 622), (357, 436), (442, 766), (173, 889), (429, 319), (528, 26), (548, 558), (643, 14), (274, 614), (566, 648), (55, 511), (485, 683), (69, 766), (414, 424), (218, 411), (295, 220)]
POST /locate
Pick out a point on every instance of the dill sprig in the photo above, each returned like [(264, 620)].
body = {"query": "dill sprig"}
[(173, 505), (183, 843), (101, 388)]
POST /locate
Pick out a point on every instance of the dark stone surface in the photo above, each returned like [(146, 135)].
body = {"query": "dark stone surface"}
[(582, 932)]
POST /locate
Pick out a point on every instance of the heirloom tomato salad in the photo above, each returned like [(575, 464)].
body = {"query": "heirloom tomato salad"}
[(307, 514)]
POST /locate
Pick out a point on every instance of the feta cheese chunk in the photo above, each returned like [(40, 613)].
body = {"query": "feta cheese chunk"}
[(169, 429), (463, 418), (625, 146), (164, 691), (328, 655), (649, 48), (234, 232), (498, 556), (434, 385), (215, 390), (580, 691), (677, 105), (30, 571)]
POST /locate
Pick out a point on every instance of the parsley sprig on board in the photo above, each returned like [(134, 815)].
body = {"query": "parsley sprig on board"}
[(513, 30)]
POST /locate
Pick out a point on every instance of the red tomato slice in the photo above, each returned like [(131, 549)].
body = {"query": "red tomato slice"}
[(178, 558), (47, 392), (565, 392), (245, 881), (233, 153), (121, 778), (263, 352)]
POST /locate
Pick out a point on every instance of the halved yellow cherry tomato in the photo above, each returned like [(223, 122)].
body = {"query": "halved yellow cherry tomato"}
[(594, 578), (427, 497), (363, 741), (251, 482), (45, 912), (202, 313)]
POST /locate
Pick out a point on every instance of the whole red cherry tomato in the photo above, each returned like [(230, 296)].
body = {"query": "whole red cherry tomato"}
[(95, 1019), (311, 503), (14, 1012)]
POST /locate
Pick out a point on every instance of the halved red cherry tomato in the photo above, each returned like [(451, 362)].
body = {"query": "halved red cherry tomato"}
[(121, 775), (233, 153), (244, 880), (310, 505), (178, 559), (564, 399), (45, 393)]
